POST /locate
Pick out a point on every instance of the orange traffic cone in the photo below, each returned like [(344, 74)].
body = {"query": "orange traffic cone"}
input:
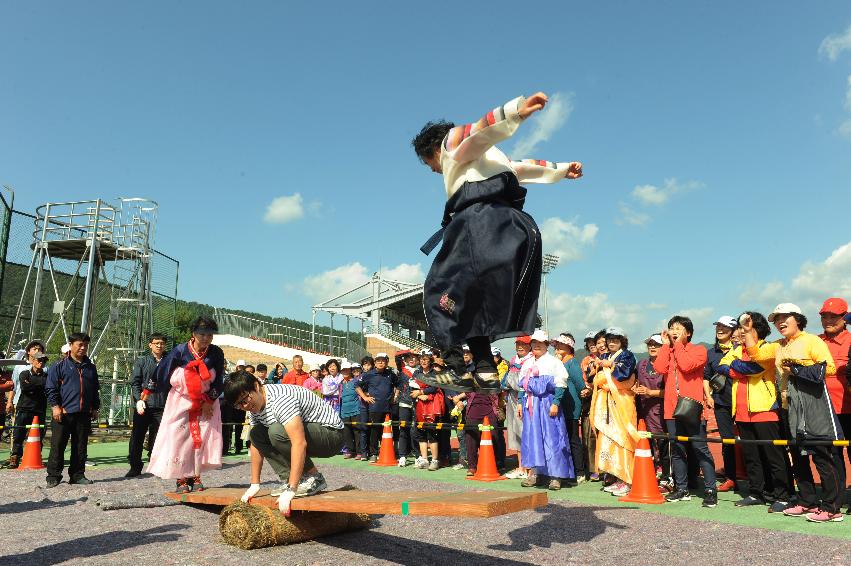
[(486, 466), (32, 449), (387, 454), (645, 488)]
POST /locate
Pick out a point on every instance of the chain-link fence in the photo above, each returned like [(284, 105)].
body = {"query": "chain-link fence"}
[(291, 337), (61, 297)]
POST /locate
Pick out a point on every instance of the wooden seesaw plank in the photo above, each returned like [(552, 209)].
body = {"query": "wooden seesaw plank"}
[(438, 504)]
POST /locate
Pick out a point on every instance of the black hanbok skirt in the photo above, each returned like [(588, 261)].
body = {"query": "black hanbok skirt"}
[(486, 278)]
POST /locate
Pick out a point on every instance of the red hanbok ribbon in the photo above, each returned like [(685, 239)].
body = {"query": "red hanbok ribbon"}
[(194, 373)]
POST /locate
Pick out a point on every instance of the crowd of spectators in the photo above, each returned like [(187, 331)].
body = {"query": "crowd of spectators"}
[(793, 388)]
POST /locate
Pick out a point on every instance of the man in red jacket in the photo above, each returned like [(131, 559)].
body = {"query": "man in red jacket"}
[(682, 363), (297, 375), (838, 341)]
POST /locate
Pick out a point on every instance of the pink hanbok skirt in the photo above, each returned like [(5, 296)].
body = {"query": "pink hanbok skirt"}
[(174, 455)]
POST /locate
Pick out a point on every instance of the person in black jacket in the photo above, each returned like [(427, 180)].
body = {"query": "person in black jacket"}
[(378, 388), (149, 412), (722, 401), (31, 403), (73, 393)]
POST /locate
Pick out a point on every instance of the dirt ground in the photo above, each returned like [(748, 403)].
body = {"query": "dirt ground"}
[(55, 526)]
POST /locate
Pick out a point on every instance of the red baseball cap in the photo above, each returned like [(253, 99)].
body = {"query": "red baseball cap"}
[(834, 305), (524, 339)]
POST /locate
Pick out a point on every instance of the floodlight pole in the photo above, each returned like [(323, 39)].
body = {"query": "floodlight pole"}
[(549, 262)]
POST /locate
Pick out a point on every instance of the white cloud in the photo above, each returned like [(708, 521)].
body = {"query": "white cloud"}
[(832, 276), (845, 128), (631, 215), (543, 124), (833, 45), (567, 239), (284, 209), (580, 314), (649, 194), (814, 282), (652, 195), (407, 272), (583, 313), (333, 282)]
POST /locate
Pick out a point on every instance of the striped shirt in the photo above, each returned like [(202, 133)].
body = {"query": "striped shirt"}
[(285, 402), (470, 154)]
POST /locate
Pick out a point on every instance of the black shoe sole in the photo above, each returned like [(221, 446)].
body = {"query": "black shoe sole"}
[(451, 382), (490, 386)]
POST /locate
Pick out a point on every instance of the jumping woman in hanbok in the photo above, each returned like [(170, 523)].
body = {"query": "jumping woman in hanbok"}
[(545, 447), (190, 437), (485, 279), (613, 412)]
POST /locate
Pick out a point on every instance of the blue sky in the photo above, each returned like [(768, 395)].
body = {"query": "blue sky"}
[(716, 140)]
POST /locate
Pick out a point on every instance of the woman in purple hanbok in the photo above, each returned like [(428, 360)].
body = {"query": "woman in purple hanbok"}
[(332, 384), (545, 447)]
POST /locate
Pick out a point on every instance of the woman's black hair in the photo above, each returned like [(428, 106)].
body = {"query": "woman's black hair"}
[(428, 140), (237, 384), (685, 322), (367, 360), (601, 334), (623, 340), (332, 361), (760, 324), (33, 344), (204, 323), (801, 320)]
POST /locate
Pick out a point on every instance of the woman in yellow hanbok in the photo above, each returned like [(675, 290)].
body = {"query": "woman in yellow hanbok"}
[(613, 412)]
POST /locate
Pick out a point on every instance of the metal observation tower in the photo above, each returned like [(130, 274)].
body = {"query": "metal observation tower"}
[(90, 272)]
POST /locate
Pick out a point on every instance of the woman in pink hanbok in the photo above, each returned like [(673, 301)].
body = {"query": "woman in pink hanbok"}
[(190, 438)]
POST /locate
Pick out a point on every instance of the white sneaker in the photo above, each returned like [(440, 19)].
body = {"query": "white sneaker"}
[(623, 490), (403, 462), (516, 475), (421, 463), (614, 487), (311, 485)]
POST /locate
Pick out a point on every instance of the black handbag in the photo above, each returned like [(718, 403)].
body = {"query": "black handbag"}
[(687, 410), (717, 382)]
